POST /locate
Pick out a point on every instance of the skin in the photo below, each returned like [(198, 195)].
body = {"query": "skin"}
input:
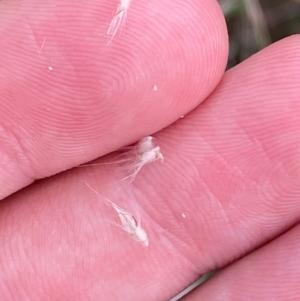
[(231, 165)]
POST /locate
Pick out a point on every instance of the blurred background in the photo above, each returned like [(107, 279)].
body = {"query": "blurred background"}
[(254, 24)]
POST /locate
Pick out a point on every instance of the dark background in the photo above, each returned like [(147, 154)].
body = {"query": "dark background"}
[(254, 24)]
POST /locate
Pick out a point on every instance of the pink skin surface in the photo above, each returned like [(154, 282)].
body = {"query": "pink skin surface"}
[(70, 94), (231, 165), (271, 273)]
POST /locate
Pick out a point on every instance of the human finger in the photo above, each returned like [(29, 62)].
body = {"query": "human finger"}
[(270, 273), (229, 184), (70, 93)]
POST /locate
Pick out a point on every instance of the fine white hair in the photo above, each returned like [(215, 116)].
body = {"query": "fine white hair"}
[(119, 19)]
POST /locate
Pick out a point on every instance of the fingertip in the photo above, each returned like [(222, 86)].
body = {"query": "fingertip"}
[(86, 97)]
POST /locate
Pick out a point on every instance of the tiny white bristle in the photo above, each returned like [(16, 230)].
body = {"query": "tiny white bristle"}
[(119, 18), (40, 50)]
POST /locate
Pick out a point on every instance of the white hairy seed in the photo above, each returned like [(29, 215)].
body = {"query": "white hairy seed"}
[(135, 157), (119, 18), (128, 222), (145, 145), (131, 226), (146, 153)]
